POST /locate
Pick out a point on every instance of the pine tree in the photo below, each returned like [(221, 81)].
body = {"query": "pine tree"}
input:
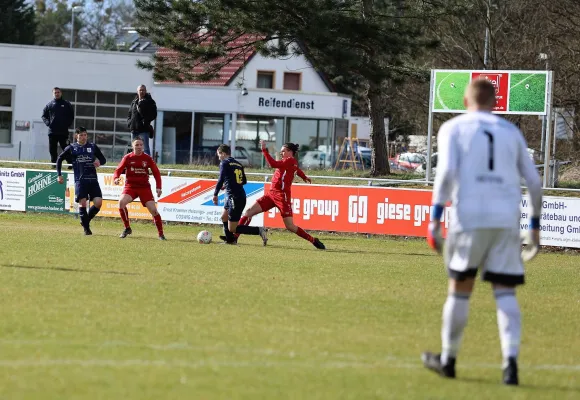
[(54, 20), (17, 23), (371, 42)]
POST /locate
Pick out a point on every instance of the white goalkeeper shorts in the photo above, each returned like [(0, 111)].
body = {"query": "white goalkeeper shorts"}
[(496, 252)]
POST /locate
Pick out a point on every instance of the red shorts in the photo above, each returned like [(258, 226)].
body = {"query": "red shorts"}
[(279, 200), (144, 194)]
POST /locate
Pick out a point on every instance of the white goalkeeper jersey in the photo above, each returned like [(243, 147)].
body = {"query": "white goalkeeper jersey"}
[(481, 160)]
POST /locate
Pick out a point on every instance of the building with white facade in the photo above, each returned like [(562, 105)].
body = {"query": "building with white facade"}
[(259, 99)]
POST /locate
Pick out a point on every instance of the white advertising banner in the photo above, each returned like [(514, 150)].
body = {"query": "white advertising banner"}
[(560, 221), (12, 189), (190, 200), (182, 199)]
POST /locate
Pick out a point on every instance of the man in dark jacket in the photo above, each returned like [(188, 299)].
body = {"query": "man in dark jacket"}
[(142, 112), (58, 115)]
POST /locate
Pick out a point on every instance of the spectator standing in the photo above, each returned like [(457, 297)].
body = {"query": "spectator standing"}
[(58, 115), (142, 113)]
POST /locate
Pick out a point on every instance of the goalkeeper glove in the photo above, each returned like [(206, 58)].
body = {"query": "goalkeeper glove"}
[(434, 237), (531, 241)]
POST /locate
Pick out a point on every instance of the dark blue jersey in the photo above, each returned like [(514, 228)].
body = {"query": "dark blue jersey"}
[(232, 177), (82, 158)]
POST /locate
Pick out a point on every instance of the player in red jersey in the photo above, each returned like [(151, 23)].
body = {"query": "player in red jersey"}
[(136, 166), (280, 195)]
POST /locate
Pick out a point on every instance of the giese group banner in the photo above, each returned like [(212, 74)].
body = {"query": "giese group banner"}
[(406, 212), (355, 209), (358, 209)]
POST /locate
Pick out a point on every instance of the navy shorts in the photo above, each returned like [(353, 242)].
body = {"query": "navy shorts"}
[(87, 190), (235, 207)]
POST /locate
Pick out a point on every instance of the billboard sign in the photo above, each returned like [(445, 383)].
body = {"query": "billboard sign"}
[(517, 92)]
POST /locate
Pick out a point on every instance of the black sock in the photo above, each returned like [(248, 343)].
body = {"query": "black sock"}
[(248, 230), (84, 217), (229, 235), (93, 211)]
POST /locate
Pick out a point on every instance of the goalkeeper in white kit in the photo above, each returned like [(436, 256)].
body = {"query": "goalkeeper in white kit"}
[(481, 160)]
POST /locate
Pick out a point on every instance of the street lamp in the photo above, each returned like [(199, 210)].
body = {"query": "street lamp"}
[(489, 5), (544, 57), (72, 23)]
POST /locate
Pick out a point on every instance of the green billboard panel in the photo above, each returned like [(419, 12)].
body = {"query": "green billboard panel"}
[(517, 92), (527, 92), (44, 193), (449, 89)]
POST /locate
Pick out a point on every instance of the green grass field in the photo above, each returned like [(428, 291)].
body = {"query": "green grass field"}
[(527, 92), (449, 90), (144, 319)]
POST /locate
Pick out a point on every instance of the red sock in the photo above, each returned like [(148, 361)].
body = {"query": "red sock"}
[(243, 221), (302, 233), (158, 224), (125, 217)]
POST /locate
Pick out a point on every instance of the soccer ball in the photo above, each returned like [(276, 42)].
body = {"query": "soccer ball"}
[(527, 85), (452, 84), (204, 237)]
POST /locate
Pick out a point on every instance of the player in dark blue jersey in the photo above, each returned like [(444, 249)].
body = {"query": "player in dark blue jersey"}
[(233, 178), (86, 157)]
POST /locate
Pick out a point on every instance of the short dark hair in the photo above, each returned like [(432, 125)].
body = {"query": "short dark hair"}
[(224, 148), (293, 147), (80, 129), (56, 88), (481, 92)]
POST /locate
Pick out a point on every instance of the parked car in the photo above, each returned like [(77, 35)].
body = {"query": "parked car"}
[(408, 161), (322, 159), (206, 155), (423, 167), (314, 159)]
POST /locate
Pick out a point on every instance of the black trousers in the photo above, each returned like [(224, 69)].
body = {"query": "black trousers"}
[(53, 142)]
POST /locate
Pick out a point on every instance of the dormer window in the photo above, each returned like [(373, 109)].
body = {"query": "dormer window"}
[(265, 80)]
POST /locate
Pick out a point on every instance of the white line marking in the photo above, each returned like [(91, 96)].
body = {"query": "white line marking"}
[(439, 94), (522, 81), (212, 363), (326, 360)]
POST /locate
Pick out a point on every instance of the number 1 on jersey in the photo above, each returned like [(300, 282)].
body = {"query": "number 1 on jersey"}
[(490, 140)]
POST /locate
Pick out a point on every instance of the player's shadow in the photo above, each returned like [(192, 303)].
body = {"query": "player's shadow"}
[(564, 389), (64, 269)]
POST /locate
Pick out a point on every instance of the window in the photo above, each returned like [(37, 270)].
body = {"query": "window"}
[(106, 97), (315, 138), (105, 125), (5, 126), (87, 123), (5, 115), (104, 114), (104, 139), (85, 97), (126, 98), (265, 80), (292, 81), (122, 112), (85, 111), (5, 97)]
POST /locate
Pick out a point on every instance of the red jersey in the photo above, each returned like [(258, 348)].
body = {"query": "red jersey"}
[(286, 169), (136, 169)]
